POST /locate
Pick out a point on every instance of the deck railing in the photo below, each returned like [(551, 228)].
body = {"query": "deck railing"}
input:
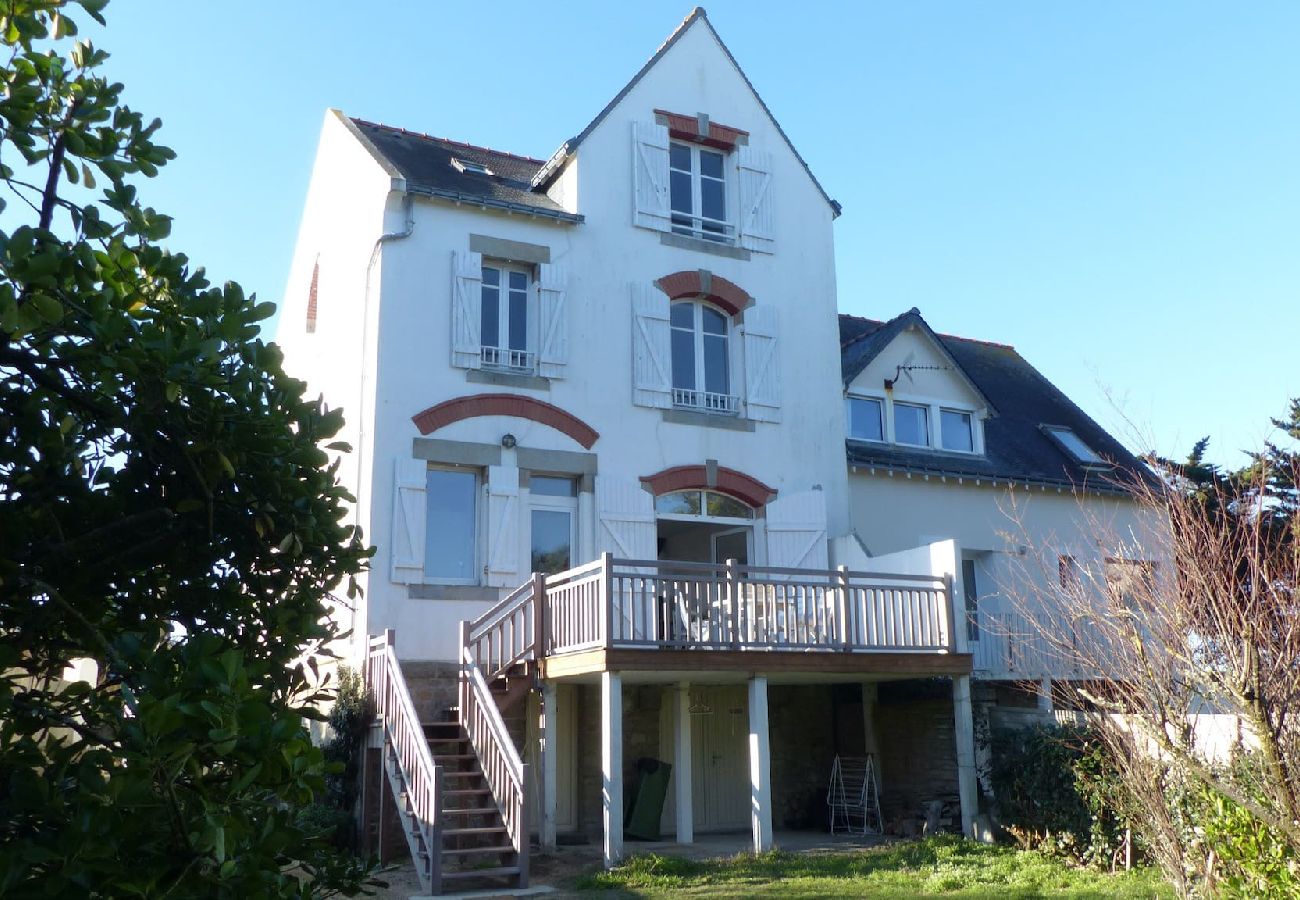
[(507, 634), (656, 603), (1011, 646)]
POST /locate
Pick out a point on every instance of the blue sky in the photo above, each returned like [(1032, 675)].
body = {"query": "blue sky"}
[(1112, 187)]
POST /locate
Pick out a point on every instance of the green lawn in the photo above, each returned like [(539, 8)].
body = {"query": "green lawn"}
[(938, 867)]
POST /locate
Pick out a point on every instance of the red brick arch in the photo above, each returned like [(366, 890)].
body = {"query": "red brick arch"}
[(476, 405), (703, 283), (725, 481)]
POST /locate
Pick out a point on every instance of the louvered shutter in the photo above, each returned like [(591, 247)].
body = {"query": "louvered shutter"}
[(650, 175), (466, 309), (409, 513), (553, 319), (627, 518), (503, 526), (796, 531), (757, 231), (762, 364), (652, 364)]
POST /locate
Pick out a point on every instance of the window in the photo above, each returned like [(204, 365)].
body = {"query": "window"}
[(1074, 445), (700, 362), (452, 525), (971, 590), (956, 431), (702, 503), (552, 518), (697, 189), (473, 168), (866, 419), (504, 328), (911, 424)]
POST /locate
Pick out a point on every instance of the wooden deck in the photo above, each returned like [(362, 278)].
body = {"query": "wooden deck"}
[(671, 665)]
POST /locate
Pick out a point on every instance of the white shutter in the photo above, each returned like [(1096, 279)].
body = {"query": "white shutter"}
[(762, 364), (410, 511), (650, 175), (627, 519), (553, 319), (757, 230), (796, 531), (466, 309), (652, 363), (503, 526)]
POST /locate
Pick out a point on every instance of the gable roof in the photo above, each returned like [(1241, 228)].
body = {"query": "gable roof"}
[(552, 167), (426, 164), (1016, 448)]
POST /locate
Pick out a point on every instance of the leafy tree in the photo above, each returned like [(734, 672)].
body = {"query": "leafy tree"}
[(166, 510)]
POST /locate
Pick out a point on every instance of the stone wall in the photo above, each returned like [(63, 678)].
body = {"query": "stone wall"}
[(802, 728), (432, 686), (641, 710), (918, 747)]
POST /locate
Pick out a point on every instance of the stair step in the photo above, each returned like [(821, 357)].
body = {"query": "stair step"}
[(492, 829), (498, 872), (474, 773), (471, 811), (439, 757), (460, 792), (477, 851)]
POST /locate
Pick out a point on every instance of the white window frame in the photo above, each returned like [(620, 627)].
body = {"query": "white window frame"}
[(727, 226), (929, 422), (551, 503), (477, 526), (1057, 433), (969, 414), (501, 357), (934, 414), (848, 418), (696, 397)]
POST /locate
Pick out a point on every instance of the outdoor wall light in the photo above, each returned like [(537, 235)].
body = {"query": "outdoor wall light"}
[(508, 441)]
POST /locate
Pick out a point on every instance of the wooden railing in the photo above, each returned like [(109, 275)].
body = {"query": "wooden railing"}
[(654, 603), (1011, 646), (404, 734), (505, 773), (507, 634)]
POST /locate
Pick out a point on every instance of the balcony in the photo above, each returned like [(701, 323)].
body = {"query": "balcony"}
[(706, 401), (502, 359)]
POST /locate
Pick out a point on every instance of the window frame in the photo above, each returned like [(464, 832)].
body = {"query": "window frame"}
[(849, 399), (712, 402), (935, 408), (726, 233), (554, 503), (1096, 462), (929, 427), (970, 418), (475, 530), (495, 357)]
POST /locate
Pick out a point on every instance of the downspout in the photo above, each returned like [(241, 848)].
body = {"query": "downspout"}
[(375, 255)]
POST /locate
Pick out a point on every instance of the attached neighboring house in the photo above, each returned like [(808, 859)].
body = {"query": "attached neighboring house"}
[(638, 491)]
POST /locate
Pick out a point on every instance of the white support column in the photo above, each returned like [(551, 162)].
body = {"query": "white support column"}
[(682, 761), (550, 756), (611, 764), (964, 726), (1045, 695), (760, 766)]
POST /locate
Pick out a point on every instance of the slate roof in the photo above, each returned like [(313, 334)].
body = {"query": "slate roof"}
[(426, 164), (1016, 448)]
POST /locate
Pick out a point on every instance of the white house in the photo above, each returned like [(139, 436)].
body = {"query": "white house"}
[(604, 413)]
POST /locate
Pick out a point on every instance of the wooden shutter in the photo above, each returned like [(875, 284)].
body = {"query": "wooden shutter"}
[(503, 526), (762, 364), (410, 510), (652, 363), (650, 175), (466, 309), (553, 319), (757, 230), (627, 518), (796, 531)]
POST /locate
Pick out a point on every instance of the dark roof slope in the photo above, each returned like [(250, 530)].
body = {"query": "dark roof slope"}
[(426, 164), (1016, 448)]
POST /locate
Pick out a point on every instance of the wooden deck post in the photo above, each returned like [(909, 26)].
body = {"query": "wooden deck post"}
[(682, 776), (843, 624), (607, 600), (733, 601), (540, 642), (611, 764), (964, 726), (550, 760), (760, 766)]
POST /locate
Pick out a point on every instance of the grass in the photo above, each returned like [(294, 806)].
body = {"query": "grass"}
[(936, 867)]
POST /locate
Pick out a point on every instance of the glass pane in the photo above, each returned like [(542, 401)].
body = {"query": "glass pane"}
[(722, 505), (731, 545), (518, 320), (715, 364), (550, 486), (491, 276), (490, 334), (449, 532), (713, 204), (683, 359), (710, 164), (518, 281), (865, 419), (679, 157), (714, 321), (682, 315), (679, 192), (552, 540), (1081, 451), (682, 503), (956, 430), (911, 424)]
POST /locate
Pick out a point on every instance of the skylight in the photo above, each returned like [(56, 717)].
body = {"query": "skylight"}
[(1074, 445), (473, 168)]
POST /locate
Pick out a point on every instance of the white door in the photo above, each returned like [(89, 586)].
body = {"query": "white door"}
[(720, 761)]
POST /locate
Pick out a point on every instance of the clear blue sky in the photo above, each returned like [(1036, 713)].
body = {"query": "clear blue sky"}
[(1112, 187)]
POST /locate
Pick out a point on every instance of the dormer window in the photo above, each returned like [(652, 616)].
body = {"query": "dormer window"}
[(911, 424), (1075, 447), (958, 430), (471, 168), (866, 419)]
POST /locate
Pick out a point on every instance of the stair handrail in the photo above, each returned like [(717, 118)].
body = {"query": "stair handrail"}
[(506, 774), (510, 632), (402, 728)]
